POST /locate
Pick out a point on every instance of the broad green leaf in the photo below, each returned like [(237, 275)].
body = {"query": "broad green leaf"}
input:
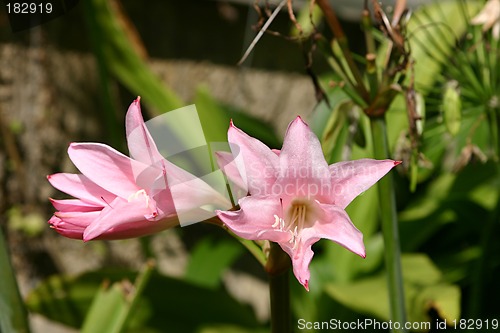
[(335, 126), (230, 329), (419, 269), (13, 316), (443, 200), (166, 304), (208, 260), (424, 289), (66, 299), (213, 117), (322, 112), (368, 296), (121, 57), (112, 307), (106, 310), (316, 305), (443, 298)]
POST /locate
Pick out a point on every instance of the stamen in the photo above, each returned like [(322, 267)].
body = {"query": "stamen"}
[(298, 215), (107, 203), (135, 195), (276, 221), (279, 223)]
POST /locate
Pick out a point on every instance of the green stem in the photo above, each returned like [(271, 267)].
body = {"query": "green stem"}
[(482, 268), (278, 266), (387, 203), (13, 316), (371, 53)]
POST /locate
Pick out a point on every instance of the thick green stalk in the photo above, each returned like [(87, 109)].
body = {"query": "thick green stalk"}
[(278, 266), (392, 251), (13, 316), (482, 268)]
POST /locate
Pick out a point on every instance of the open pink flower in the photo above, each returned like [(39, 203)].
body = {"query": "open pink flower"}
[(295, 198), (121, 197)]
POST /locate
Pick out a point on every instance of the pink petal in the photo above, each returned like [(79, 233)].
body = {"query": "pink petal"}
[(351, 178), (227, 164), (111, 169), (255, 219), (74, 205), (78, 219), (301, 258), (121, 212), (137, 229), (79, 186), (140, 143), (303, 169), (336, 226), (258, 165), (186, 190), (65, 229)]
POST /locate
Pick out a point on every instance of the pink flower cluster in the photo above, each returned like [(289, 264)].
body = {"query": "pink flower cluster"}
[(122, 197), (289, 196)]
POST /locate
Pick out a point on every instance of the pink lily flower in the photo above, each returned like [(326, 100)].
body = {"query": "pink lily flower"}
[(295, 198), (120, 197)]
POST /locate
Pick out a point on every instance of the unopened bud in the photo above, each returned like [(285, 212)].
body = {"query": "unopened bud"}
[(452, 108)]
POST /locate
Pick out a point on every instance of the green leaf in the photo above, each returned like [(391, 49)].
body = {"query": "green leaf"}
[(419, 270), (230, 329), (112, 307), (13, 316), (106, 310), (209, 258), (214, 118), (166, 304), (443, 298), (322, 112), (114, 47), (335, 126), (368, 296), (424, 289)]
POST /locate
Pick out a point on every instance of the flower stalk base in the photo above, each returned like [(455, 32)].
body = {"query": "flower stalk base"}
[(392, 251), (278, 267)]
